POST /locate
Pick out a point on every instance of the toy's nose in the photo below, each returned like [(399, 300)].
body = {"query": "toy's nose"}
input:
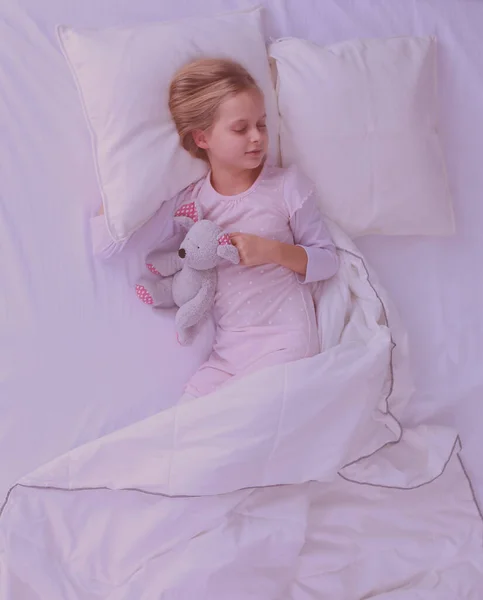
[(181, 252)]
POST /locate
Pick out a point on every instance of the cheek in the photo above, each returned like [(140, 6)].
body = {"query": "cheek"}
[(228, 145), (234, 144)]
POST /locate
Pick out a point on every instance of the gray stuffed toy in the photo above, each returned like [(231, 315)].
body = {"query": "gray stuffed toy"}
[(187, 278)]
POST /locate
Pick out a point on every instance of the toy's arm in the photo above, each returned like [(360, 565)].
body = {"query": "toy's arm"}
[(193, 311), (164, 263)]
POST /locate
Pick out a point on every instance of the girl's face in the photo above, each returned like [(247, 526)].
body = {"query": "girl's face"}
[(238, 139)]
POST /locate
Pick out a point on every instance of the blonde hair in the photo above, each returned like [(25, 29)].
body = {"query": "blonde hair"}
[(196, 92)]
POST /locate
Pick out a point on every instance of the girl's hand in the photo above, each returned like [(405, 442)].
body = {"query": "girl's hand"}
[(255, 250)]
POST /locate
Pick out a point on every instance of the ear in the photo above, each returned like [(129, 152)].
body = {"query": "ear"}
[(226, 249), (200, 139), (188, 214)]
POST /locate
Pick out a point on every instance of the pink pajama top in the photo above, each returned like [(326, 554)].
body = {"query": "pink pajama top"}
[(264, 315)]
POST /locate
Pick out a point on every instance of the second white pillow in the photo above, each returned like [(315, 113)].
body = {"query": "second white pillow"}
[(360, 118)]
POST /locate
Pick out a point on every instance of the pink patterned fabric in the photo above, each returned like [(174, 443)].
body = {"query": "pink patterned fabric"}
[(188, 210), (224, 240), (144, 295), (153, 269)]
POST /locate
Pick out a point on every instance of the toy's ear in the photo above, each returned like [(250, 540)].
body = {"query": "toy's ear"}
[(226, 249), (188, 214)]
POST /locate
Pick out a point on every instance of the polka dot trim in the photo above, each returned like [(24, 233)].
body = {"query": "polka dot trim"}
[(224, 240), (144, 295), (153, 269), (188, 210)]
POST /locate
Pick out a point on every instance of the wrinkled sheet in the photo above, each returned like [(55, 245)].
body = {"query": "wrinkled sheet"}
[(238, 494)]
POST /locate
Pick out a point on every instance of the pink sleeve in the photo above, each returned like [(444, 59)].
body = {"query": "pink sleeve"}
[(309, 229), (160, 228)]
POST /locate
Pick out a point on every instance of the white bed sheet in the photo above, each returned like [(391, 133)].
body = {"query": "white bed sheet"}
[(79, 355)]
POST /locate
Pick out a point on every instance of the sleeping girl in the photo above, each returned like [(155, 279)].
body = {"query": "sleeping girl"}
[(263, 311)]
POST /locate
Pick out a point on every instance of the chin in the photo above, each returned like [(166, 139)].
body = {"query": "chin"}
[(255, 161)]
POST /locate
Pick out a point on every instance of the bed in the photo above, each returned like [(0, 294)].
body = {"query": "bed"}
[(74, 343)]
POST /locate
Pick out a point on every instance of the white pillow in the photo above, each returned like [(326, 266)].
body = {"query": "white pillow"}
[(360, 118), (123, 78)]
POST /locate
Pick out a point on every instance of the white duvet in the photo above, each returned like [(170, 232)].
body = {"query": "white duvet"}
[(297, 482)]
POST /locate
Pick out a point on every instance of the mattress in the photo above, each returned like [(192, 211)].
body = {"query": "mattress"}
[(80, 356)]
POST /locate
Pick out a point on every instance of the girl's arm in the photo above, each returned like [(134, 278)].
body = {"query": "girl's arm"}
[(158, 230), (313, 258), (292, 257), (313, 238)]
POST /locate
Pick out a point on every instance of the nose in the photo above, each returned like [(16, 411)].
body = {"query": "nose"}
[(182, 253), (255, 135)]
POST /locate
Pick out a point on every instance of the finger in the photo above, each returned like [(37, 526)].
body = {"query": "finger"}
[(237, 242)]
